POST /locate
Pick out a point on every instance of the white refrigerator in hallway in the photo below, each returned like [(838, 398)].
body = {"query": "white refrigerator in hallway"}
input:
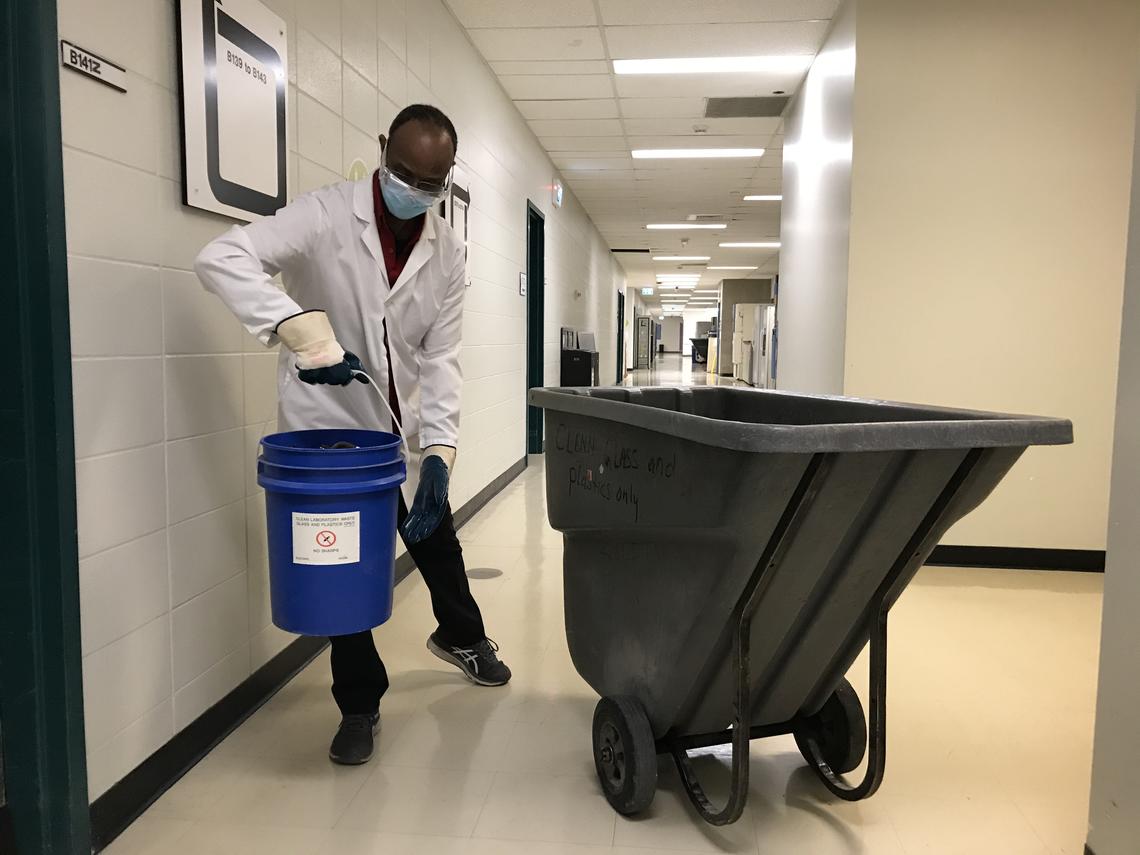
[(752, 343), (746, 321), (764, 349)]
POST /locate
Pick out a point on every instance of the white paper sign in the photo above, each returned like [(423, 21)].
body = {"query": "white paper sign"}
[(326, 538), (234, 86), (93, 65)]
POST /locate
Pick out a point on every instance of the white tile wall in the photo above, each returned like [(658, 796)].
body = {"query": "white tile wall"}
[(172, 396), (208, 629), (205, 551), (122, 589), (118, 404), (120, 497), (204, 394), (205, 473), (124, 299)]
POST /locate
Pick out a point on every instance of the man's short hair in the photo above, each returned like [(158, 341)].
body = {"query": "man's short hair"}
[(429, 114)]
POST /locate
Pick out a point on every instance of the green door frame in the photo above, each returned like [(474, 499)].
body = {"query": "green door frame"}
[(535, 318), (41, 684)]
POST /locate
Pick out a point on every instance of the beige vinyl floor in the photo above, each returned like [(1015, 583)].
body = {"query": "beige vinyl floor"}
[(992, 679)]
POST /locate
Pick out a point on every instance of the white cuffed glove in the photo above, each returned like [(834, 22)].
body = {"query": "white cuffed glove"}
[(320, 358)]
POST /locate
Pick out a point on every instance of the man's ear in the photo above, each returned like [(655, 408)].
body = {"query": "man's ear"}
[(383, 142)]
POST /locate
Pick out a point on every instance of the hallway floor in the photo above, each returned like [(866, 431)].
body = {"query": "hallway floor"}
[(675, 369), (991, 705)]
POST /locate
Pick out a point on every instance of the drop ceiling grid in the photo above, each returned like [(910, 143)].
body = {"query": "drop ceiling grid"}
[(554, 59)]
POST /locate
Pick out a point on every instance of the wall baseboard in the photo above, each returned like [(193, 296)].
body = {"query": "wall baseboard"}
[(1018, 558), (121, 805)]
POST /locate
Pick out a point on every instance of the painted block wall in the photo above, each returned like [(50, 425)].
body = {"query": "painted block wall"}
[(988, 234), (171, 395)]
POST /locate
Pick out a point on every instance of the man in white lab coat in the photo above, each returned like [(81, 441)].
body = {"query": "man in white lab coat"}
[(374, 282)]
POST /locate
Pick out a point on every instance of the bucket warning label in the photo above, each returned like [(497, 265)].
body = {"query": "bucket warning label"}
[(326, 538)]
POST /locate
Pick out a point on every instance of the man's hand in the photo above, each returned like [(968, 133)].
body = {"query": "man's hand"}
[(320, 358), (430, 503)]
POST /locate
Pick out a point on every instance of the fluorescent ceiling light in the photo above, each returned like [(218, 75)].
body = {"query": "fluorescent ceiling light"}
[(707, 291), (686, 226), (735, 267), (680, 258), (763, 198), (714, 64), (677, 277), (752, 245), (665, 153)]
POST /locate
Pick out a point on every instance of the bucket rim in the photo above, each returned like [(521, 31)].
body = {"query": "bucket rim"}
[(389, 441)]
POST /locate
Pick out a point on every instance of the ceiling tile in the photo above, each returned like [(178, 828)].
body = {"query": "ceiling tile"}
[(539, 43), (706, 85), (592, 164), (533, 87), (564, 143), (663, 108), (670, 40), (587, 108), (576, 127), (523, 13), (566, 66), (701, 11)]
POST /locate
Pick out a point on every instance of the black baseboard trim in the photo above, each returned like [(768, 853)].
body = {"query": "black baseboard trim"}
[(126, 801), (121, 805), (1018, 558), (480, 499)]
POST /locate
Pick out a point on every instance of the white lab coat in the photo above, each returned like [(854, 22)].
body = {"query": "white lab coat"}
[(326, 247)]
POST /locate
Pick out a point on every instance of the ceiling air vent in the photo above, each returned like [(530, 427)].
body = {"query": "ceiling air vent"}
[(745, 108)]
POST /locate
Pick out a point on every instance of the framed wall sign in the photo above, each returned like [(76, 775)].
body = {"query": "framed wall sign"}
[(457, 210), (234, 80)]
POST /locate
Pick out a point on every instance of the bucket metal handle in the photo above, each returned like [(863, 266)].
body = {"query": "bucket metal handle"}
[(388, 407), (289, 378)]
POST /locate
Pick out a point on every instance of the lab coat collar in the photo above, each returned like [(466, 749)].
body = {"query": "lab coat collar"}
[(370, 235)]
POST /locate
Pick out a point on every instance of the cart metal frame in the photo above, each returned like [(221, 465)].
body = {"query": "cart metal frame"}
[(742, 733)]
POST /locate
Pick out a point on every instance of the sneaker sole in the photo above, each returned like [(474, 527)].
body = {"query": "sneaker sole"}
[(375, 730), (440, 653)]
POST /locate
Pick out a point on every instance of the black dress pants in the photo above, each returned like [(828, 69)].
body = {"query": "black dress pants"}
[(359, 677)]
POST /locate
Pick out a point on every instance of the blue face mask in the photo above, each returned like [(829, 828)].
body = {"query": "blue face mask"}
[(400, 200)]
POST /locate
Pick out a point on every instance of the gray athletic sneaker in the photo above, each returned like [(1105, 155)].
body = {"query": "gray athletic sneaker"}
[(352, 745), (479, 662)]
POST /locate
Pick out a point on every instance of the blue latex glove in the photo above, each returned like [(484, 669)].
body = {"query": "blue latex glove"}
[(340, 374), (430, 503)]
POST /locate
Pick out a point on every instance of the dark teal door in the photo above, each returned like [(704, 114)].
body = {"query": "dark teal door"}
[(44, 803), (535, 306)]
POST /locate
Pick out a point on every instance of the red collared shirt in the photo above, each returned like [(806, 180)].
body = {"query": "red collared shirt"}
[(394, 262)]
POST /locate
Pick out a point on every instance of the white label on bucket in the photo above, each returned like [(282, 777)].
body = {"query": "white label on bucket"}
[(326, 538)]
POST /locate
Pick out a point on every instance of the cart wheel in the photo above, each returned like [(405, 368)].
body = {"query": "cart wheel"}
[(625, 754), (839, 729)]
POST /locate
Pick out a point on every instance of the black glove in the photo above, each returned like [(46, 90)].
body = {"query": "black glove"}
[(341, 374), (430, 503)]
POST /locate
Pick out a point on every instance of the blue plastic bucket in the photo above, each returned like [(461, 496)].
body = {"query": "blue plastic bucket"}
[(331, 518)]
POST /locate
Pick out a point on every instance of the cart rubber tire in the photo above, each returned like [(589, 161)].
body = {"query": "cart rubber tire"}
[(625, 754), (840, 731)]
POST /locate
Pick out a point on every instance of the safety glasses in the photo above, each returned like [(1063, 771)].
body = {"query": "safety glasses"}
[(432, 188)]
